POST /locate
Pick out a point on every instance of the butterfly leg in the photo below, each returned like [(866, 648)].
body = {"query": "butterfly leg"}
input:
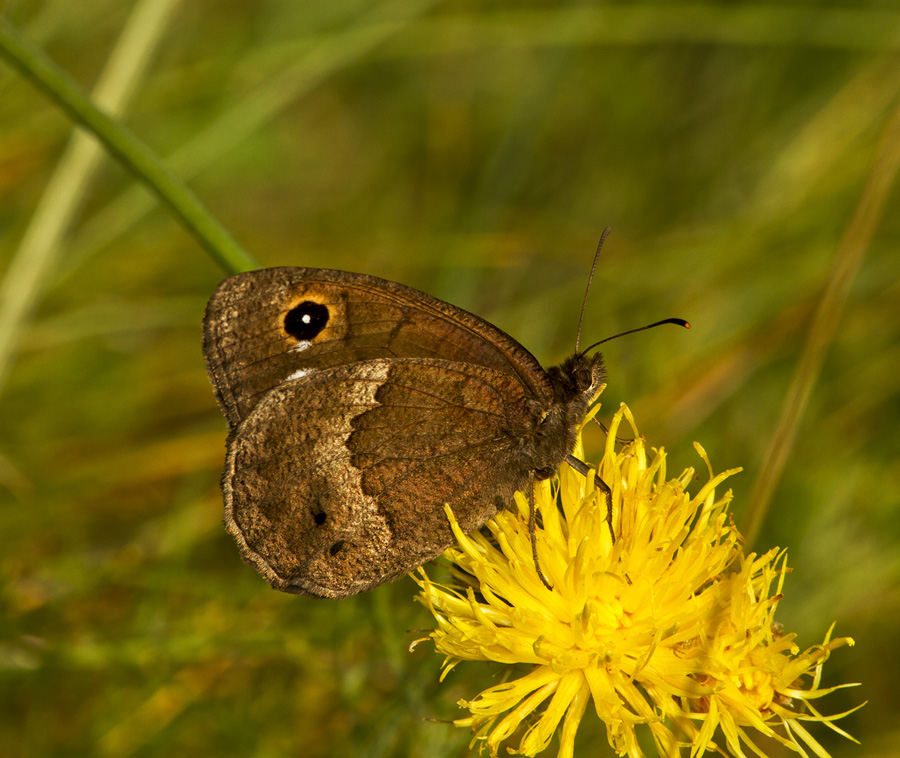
[(532, 529), (607, 493), (620, 440), (582, 468)]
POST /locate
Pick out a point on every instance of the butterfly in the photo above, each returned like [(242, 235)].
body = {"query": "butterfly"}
[(358, 407)]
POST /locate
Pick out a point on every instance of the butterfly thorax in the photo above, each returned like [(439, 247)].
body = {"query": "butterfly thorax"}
[(575, 383)]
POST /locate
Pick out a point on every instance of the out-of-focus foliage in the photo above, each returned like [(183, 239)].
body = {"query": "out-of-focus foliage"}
[(475, 151)]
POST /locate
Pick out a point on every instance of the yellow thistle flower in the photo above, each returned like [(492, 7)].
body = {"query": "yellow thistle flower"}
[(665, 624)]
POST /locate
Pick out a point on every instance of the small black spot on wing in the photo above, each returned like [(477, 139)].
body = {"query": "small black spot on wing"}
[(336, 548)]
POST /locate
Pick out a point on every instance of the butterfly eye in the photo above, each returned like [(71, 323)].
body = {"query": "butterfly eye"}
[(583, 378), (306, 321)]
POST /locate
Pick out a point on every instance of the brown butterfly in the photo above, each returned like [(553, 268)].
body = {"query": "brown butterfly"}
[(358, 407)]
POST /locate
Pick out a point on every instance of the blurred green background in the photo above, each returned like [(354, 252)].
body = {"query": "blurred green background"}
[(475, 150)]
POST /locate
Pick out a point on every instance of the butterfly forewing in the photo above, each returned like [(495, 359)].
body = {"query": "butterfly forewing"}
[(264, 327)]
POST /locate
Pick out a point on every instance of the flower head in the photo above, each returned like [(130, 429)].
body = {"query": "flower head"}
[(657, 619)]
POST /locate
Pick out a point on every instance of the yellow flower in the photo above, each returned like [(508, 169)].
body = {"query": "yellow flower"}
[(664, 624)]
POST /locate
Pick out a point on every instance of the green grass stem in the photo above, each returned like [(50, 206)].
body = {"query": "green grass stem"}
[(126, 147), (848, 258), (35, 259)]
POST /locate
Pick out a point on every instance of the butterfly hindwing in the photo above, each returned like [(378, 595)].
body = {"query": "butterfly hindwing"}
[(336, 481)]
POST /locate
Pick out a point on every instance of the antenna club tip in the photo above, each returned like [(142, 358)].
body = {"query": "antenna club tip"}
[(687, 325)]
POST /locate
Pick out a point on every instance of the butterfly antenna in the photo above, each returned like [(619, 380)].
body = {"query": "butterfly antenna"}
[(588, 289), (678, 321)]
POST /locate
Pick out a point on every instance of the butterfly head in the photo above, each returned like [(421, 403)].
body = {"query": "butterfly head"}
[(579, 376)]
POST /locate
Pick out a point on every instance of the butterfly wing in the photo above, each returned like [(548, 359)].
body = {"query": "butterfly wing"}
[(335, 482), (265, 327)]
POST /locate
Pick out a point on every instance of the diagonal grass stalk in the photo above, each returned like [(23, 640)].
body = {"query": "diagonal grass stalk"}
[(848, 258), (34, 261), (304, 66), (126, 147)]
